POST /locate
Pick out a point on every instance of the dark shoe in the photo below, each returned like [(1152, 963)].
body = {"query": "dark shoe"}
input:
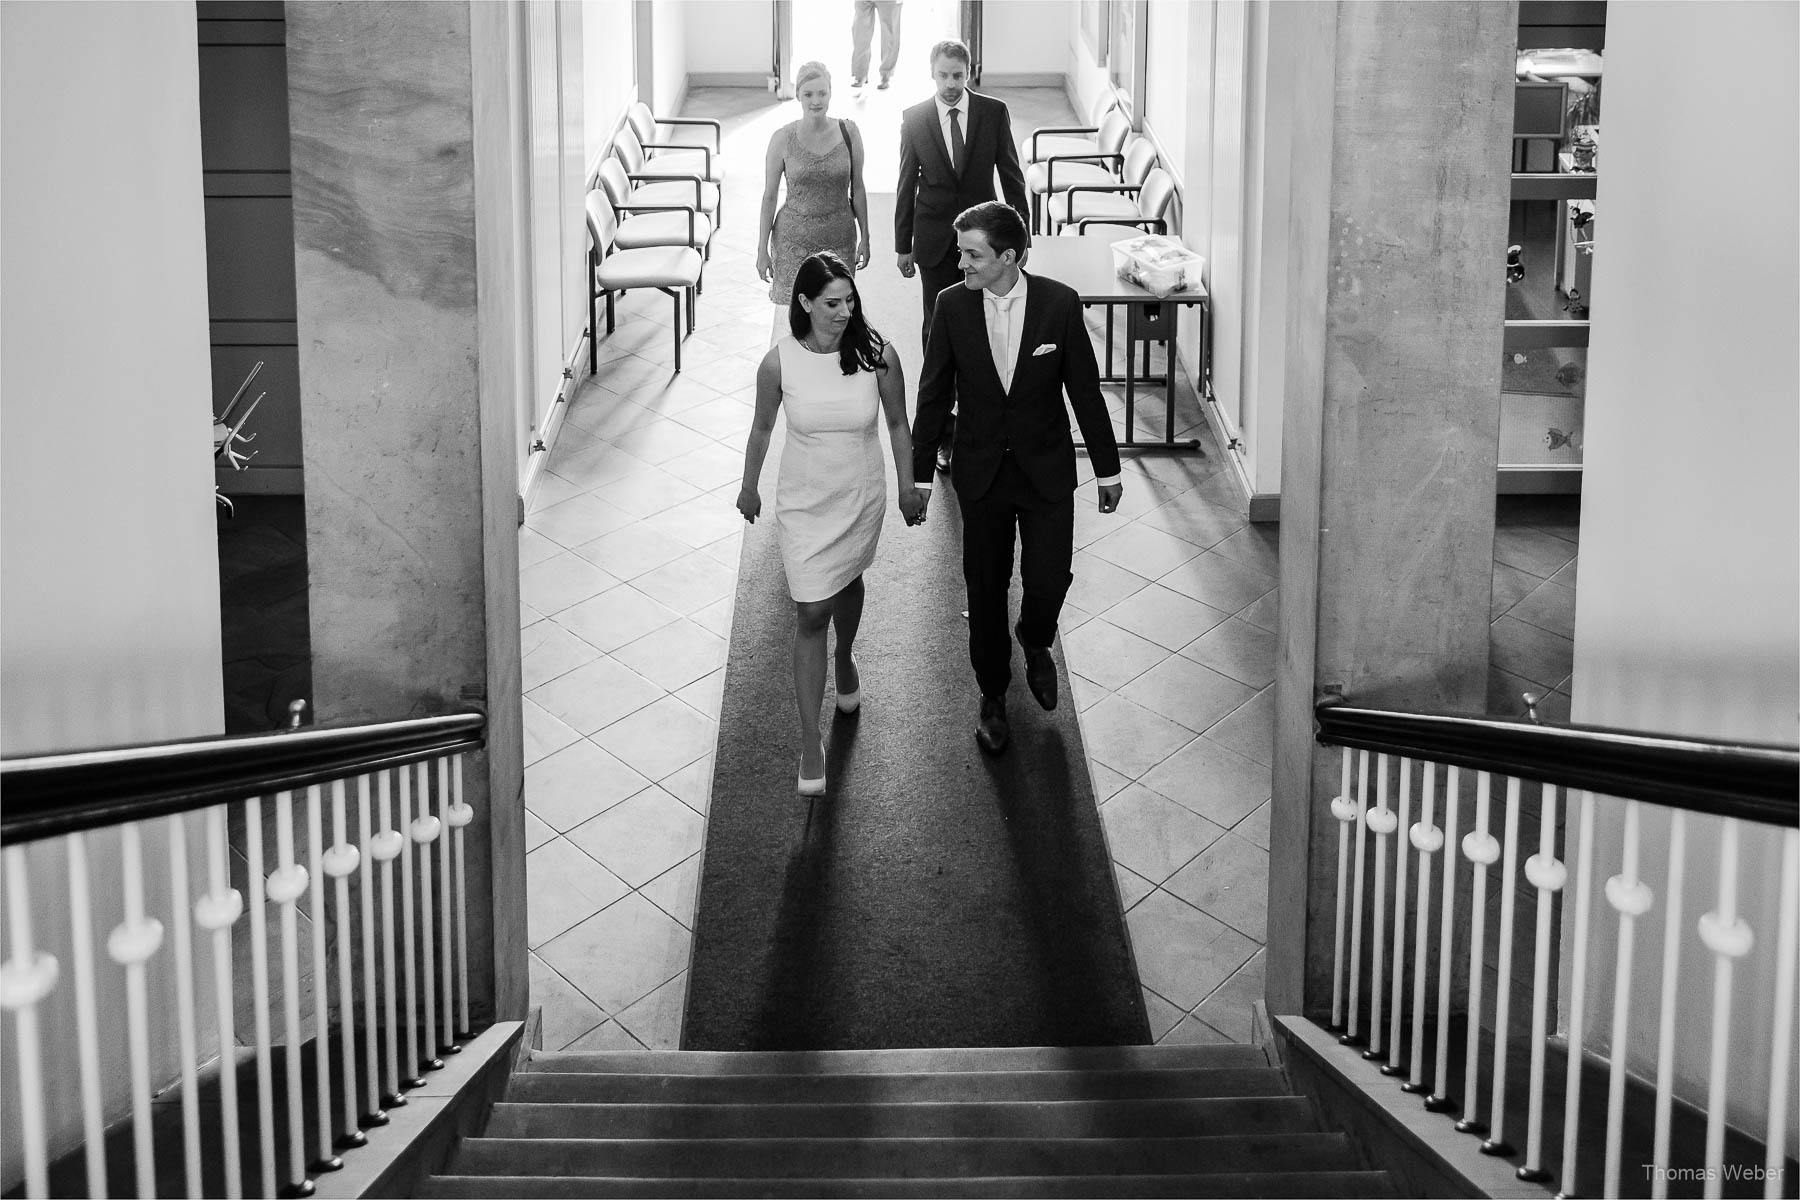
[(883, 85), (943, 457), (993, 732), (1040, 671), (858, 82)]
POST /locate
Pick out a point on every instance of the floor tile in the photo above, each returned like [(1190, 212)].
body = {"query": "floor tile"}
[(536, 833), (1255, 827), (1531, 653), (534, 548), (554, 651), (656, 1019), (561, 580), (1152, 836), (1532, 550), (567, 1013), (1264, 612), (598, 466), (596, 694), (677, 890), (715, 618), (1207, 778), (1130, 738), (718, 464), (1195, 519), (1143, 550), (641, 837), (564, 887), (604, 1037), (1251, 729), (550, 490), (688, 583), (1194, 1032), (1085, 692), (1162, 1015), (1165, 617), (1505, 693), (1107, 782), (578, 520), (1550, 607), (1231, 1008), (661, 738), (1218, 582), (1099, 584), (1182, 953), (1229, 880), (1108, 655), (705, 695), (616, 618), (1132, 886), (675, 655), (648, 492), (1236, 648), (698, 522), (1566, 576), (621, 954), (692, 784), (544, 734), (1186, 692), (577, 783), (660, 442), (1255, 545), (632, 551), (1511, 585)]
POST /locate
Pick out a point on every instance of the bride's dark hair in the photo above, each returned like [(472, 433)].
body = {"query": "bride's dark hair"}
[(861, 348)]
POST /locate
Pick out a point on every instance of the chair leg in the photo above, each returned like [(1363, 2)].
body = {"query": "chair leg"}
[(693, 305), (609, 312), (593, 323), (1037, 208), (675, 296)]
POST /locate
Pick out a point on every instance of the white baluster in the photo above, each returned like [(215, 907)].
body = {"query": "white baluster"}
[(424, 831), (1578, 960), (1427, 839), (365, 886), (1545, 872), (1671, 981), (132, 943), (339, 861), (186, 1038), (1381, 823), (87, 1014), (1728, 936), (1509, 876), (408, 950), (1394, 1063), (1439, 1100), (1631, 898), (1344, 809), (1482, 850), (217, 911), (460, 816), (1352, 1035), (259, 972), (385, 847), (446, 964), (1781, 1037), (285, 886), (315, 845), (26, 977)]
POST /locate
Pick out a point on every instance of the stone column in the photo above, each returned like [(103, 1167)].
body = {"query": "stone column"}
[(1389, 458), (411, 498)]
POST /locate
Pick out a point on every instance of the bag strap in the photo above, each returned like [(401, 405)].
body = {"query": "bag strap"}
[(844, 128)]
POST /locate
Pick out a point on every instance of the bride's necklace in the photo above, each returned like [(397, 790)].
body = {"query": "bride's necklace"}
[(812, 342)]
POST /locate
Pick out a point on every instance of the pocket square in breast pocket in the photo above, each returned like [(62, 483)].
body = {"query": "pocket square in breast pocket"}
[(1046, 348)]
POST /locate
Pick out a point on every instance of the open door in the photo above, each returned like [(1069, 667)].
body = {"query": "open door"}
[(805, 30)]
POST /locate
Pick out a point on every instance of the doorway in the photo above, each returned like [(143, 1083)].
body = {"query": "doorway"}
[(808, 30)]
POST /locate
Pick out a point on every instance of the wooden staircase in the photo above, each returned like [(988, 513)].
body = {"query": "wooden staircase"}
[(1085, 1121)]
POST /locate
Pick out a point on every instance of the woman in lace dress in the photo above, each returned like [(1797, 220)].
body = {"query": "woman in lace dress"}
[(826, 207)]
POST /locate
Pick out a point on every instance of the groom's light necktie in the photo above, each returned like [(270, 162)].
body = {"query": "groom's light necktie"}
[(999, 324), (956, 140)]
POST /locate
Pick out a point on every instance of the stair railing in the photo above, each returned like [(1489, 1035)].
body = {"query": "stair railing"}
[(365, 808), (1742, 788)]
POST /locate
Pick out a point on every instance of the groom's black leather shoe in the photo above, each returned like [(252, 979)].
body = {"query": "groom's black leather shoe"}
[(993, 732), (1040, 670)]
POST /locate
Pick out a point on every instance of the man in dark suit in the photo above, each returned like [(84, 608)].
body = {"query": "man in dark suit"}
[(951, 147), (1006, 346)]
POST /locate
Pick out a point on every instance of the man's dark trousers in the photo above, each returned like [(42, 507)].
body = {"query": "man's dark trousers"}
[(1046, 535)]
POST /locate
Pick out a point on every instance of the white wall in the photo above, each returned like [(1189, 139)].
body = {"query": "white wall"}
[(1024, 37), (1169, 73), (608, 73), (109, 583), (726, 37), (1686, 612), (668, 20)]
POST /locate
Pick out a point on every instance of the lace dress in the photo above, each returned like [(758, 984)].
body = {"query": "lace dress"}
[(830, 495), (816, 214)]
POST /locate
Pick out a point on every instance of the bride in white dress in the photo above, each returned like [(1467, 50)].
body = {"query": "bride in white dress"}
[(834, 376)]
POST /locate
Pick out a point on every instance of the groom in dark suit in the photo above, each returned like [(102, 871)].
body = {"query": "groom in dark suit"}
[(1007, 345), (951, 147)]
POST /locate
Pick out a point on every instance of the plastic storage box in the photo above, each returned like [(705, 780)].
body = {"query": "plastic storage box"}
[(1159, 264)]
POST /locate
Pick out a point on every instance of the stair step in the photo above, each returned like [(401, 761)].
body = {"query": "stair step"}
[(993, 1119), (564, 1087), (835, 1158), (913, 1061), (1349, 1184)]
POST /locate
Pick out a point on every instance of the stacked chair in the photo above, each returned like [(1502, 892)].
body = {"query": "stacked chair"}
[(673, 270), (1069, 141), (1098, 165), (1115, 200)]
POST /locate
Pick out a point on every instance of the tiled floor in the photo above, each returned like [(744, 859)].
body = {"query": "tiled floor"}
[(629, 561), (1532, 646)]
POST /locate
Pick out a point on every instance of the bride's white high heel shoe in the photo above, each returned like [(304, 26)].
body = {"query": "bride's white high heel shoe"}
[(849, 702), (814, 787)]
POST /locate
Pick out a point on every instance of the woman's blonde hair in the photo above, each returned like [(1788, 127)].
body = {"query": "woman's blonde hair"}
[(809, 71)]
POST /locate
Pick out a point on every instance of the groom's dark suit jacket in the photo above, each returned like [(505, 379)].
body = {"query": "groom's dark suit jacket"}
[(930, 195), (1029, 418)]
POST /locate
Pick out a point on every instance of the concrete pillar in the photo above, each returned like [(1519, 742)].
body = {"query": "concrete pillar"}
[(1390, 422), (411, 500)]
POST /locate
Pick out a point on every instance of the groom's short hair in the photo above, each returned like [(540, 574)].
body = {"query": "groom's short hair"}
[(997, 221), (951, 48)]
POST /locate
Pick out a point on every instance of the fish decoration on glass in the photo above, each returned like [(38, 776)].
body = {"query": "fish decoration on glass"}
[(228, 435)]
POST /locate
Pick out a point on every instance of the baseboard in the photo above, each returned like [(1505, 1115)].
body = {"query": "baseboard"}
[(1265, 508), (262, 481), (539, 458), (727, 79), (1024, 79)]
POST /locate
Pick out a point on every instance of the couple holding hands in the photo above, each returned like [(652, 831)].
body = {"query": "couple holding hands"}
[(1001, 346)]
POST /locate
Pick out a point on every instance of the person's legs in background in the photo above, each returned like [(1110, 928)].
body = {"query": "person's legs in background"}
[(934, 278), (889, 11), (862, 29)]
